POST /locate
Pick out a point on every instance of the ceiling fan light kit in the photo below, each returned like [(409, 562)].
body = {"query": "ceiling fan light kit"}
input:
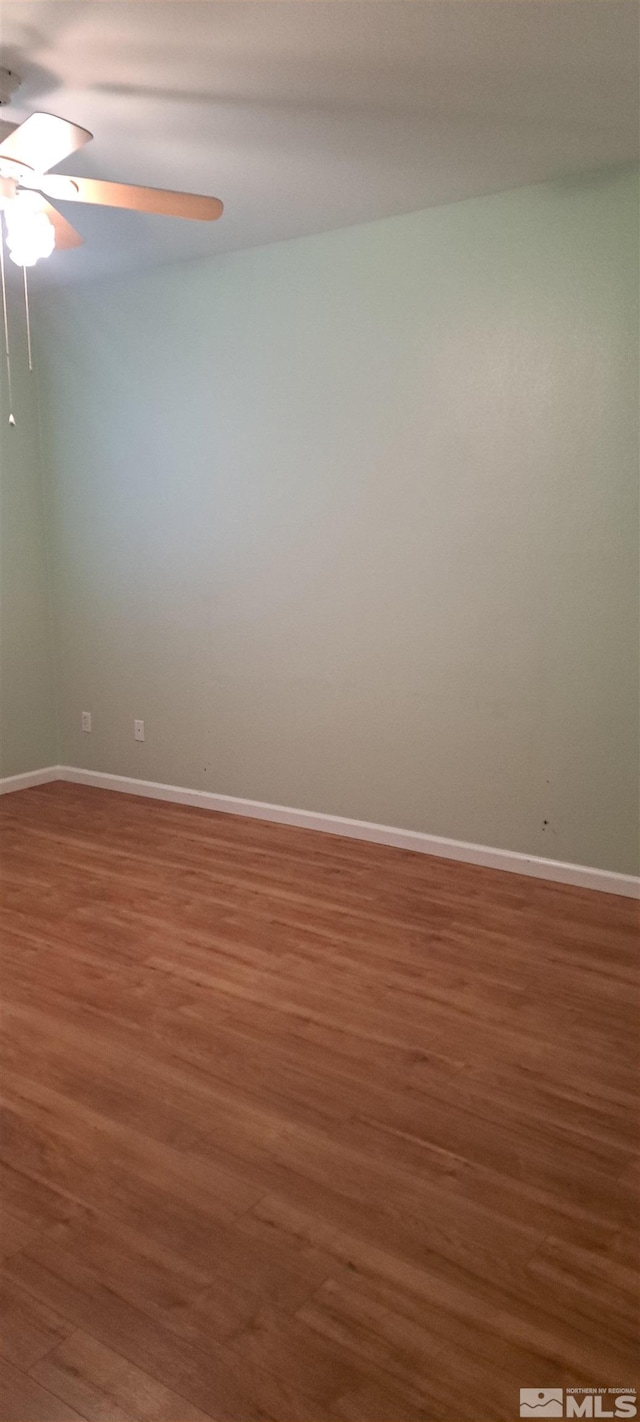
[(29, 233), (31, 226)]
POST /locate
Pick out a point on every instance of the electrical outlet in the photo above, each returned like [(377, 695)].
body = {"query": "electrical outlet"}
[(138, 730), (86, 720)]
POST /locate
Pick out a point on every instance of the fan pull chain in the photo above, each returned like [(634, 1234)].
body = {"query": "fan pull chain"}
[(26, 312), (6, 325)]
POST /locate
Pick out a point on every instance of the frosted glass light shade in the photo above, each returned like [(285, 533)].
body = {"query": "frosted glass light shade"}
[(30, 234)]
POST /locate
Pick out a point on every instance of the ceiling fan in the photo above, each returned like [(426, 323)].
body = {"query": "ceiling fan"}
[(34, 228)]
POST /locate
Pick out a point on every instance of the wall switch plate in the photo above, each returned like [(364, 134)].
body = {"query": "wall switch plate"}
[(86, 720), (138, 730)]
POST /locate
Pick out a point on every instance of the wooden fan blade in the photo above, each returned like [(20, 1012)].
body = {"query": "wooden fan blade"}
[(42, 141), (159, 200), (66, 235)]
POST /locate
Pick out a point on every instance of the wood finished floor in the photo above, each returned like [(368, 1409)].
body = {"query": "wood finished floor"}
[(303, 1129)]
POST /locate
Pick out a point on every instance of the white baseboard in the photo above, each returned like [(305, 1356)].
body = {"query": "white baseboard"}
[(30, 778), (553, 870), (537, 868)]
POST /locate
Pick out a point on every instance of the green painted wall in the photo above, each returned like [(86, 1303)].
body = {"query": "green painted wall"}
[(351, 521), (27, 720)]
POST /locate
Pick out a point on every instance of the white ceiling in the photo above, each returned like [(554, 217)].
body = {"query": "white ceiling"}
[(308, 116)]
